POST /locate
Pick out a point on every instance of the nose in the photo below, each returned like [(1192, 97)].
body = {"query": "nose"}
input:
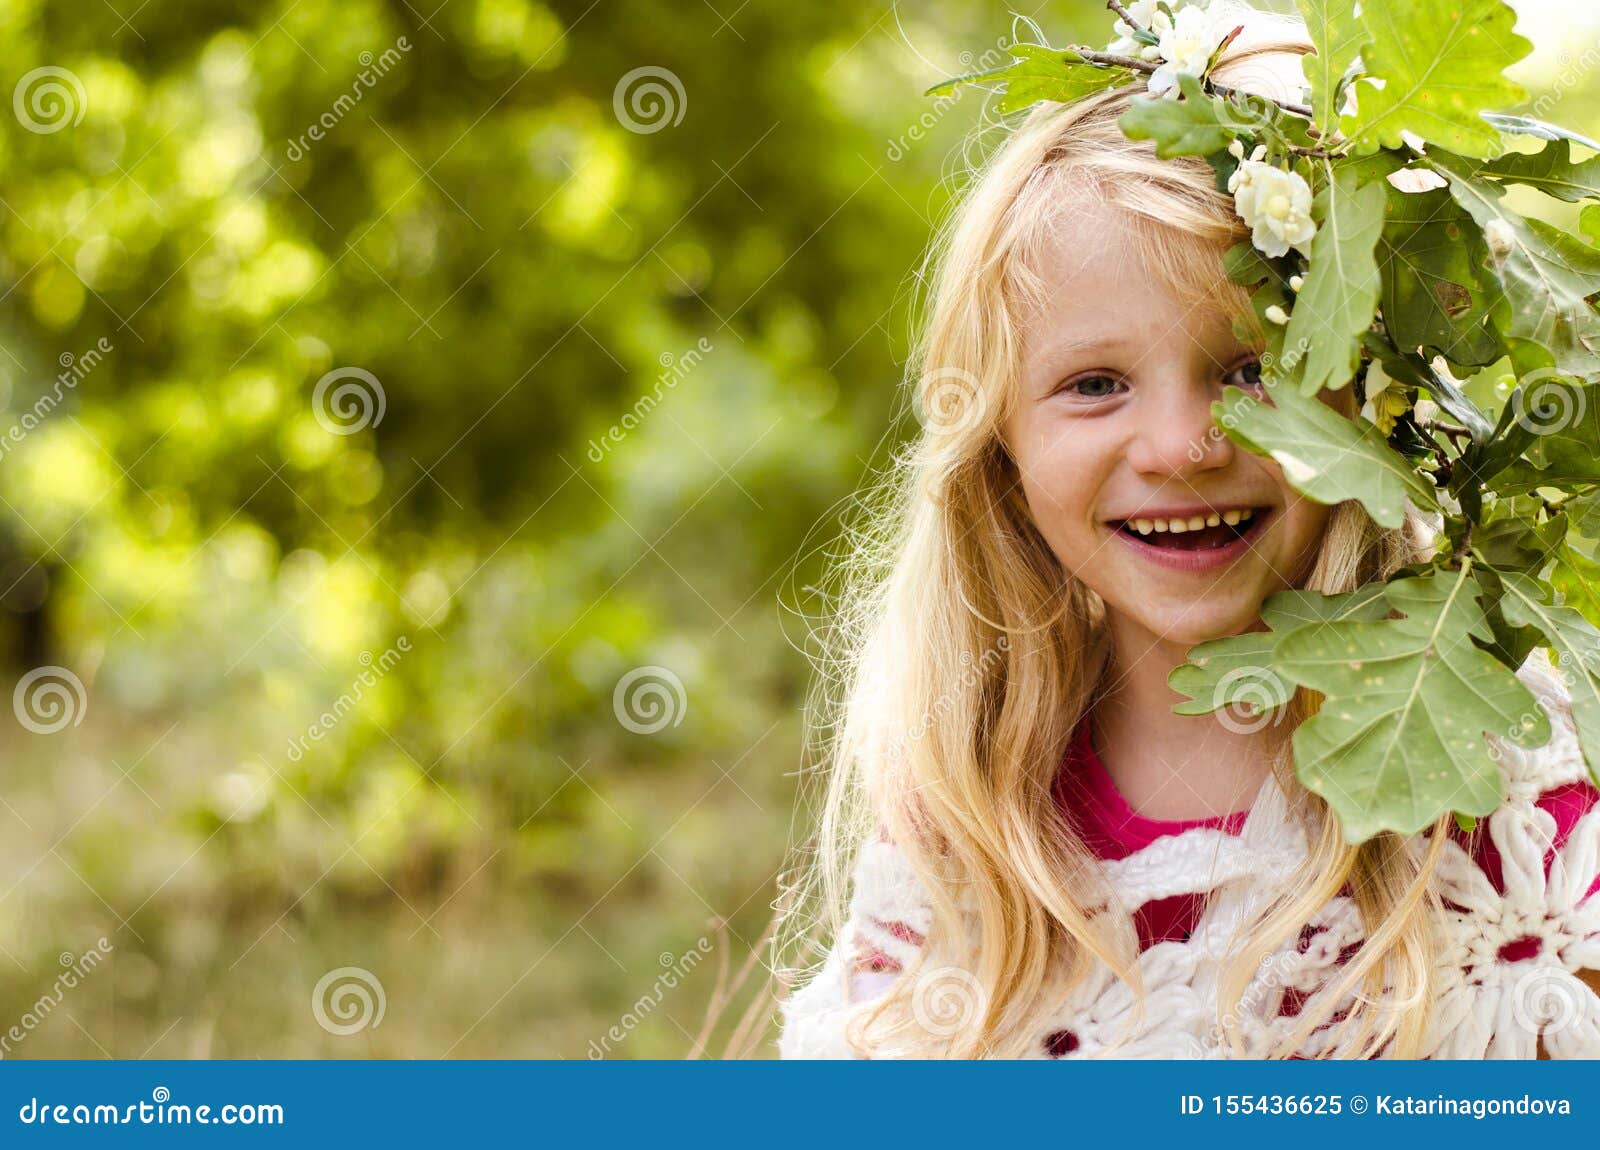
[(1177, 436)]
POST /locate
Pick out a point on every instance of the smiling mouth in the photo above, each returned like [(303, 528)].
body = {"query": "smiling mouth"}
[(1205, 535)]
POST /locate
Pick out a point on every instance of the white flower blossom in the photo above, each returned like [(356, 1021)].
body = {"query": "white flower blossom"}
[(1275, 203), (1186, 47), (1145, 12)]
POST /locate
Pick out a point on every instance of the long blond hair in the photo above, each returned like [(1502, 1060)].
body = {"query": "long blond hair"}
[(947, 578)]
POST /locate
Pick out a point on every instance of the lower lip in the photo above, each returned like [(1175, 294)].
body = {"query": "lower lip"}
[(1204, 560)]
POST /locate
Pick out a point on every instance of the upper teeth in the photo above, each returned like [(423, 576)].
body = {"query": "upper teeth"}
[(1193, 523)]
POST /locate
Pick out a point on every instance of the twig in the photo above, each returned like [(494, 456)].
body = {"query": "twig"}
[(1113, 59), (1116, 6), (1146, 67), (1453, 430)]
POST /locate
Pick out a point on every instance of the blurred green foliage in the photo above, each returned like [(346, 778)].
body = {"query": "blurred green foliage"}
[(217, 565)]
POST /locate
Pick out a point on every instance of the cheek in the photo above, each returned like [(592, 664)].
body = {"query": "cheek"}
[(1060, 481)]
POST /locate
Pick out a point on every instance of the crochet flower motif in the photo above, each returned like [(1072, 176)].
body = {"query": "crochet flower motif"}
[(1101, 1017), (1510, 969)]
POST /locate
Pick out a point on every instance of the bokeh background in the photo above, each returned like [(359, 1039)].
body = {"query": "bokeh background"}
[(423, 436)]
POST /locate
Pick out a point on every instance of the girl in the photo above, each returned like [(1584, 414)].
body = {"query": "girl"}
[(1047, 860)]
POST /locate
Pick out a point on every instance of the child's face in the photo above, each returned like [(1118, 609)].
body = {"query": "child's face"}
[(1113, 434)]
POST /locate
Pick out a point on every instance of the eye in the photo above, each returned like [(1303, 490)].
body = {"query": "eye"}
[(1091, 386), (1246, 375)]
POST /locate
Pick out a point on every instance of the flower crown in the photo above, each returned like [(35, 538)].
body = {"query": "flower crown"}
[(1383, 256)]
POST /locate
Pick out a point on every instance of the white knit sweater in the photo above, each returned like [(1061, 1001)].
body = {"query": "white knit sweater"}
[(1488, 1004)]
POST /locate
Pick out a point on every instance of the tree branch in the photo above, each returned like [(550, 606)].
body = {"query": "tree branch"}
[(1147, 67)]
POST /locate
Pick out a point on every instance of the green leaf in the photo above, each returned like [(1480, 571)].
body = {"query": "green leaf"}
[(1528, 126), (1441, 67), (1399, 739), (1434, 294), (1338, 35), (1583, 513), (1244, 264), (1237, 670), (1324, 456), (1511, 539), (1340, 295), (1040, 73), (1284, 611), (1545, 274), (1576, 578), (1589, 223), (1566, 427), (1196, 125), (1552, 170), (1577, 644)]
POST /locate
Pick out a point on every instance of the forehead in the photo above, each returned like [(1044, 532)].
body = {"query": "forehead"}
[(1097, 272)]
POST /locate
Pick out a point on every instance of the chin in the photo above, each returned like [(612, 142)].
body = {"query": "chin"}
[(1187, 627)]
